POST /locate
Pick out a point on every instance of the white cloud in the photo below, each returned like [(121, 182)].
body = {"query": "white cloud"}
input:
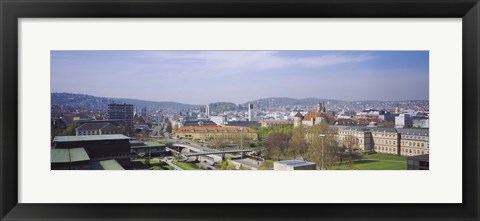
[(219, 63)]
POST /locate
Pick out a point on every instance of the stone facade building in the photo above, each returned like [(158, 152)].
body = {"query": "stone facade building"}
[(414, 142), (313, 118), (214, 132)]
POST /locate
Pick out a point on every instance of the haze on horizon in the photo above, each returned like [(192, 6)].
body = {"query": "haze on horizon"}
[(201, 77)]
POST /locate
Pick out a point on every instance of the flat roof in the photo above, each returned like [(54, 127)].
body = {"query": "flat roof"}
[(78, 154), (424, 157), (90, 138), (111, 165), (69, 155), (295, 163), (60, 156)]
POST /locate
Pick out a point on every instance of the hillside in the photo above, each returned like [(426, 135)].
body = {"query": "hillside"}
[(98, 103), (220, 107), (286, 101)]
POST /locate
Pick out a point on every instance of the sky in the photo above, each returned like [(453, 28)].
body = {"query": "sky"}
[(201, 77)]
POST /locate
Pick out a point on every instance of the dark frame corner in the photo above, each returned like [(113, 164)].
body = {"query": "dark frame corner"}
[(12, 10)]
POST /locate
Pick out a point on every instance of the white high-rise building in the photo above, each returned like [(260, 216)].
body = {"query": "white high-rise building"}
[(250, 110), (207, 110), (403, 121)]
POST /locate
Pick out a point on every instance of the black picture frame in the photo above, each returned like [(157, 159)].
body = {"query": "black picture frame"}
[(12, 10)]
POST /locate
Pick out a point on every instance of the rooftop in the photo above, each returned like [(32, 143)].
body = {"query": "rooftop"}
[(295, 163), (312, 115), (93, 126), (424, 157), (69, 155), (214, 129), (413, 131), (111, 165), (278, 122), (383, 129), (90, 138)]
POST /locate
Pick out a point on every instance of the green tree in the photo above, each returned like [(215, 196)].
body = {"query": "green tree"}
[(71, 129), (169, 128), (227, 165), (298, 141), (220, 142), (350, 149), (277, 144), (322, 145)]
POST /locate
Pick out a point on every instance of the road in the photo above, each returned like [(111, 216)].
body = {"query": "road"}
[(249, 162), (169, 161)]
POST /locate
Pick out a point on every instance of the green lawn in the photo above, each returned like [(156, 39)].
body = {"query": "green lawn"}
[(187, 166), (162, 167), (379, 156), (166, 142), (373, 165)]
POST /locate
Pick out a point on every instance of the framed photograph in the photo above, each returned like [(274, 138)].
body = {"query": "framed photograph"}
[(256, 110)]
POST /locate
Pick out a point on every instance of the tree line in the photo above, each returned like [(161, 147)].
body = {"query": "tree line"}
[(310, 144)]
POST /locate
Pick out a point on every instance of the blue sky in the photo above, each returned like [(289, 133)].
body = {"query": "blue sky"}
[(200, 77)]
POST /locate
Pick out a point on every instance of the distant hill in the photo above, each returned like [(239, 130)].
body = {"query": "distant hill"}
[(89, 102), (220, 107), (286, 101), (98, 103)]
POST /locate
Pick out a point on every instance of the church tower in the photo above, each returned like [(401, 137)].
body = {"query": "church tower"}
[(319, 107), (297, 119)]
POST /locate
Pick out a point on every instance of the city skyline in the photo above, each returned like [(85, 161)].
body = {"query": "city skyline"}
[(201, 77)]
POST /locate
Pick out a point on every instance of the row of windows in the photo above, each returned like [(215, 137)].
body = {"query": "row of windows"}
[(403, 150), (384, 135), (212, 136), (413, 144), (95, 132), (415, 137), (413, 151), (388, 142), (389, 149)]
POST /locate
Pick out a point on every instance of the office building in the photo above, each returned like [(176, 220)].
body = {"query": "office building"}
[(122, 113), (403, 121)]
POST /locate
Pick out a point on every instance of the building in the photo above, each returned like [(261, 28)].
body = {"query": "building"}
[(98, 147), (198, 123), (207, 110), (386, 140), (276, 123), (250, 110), (361, 137), (69, 159), (403, 121), (122, 113), (399, 141), (313, 118), (216, 132), (414, 141), (387, 117), (421, 122), (219, 120), (110, 165), (420, 162), (294, 165), (242, 123), (98, 129)]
